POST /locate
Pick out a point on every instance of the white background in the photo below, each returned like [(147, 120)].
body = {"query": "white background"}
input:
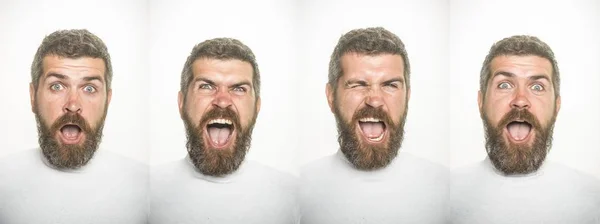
[(446, 41), (421, 25), (571, 29), (121, 25)]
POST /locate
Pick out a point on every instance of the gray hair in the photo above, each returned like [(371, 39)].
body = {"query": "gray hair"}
[(519, 45), (221, 49), (369, 41), (71, 44)]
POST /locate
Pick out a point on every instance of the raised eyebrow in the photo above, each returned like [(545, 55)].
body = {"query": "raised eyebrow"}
[(538, 77), (92, 78), (503, 73), (56, 75)]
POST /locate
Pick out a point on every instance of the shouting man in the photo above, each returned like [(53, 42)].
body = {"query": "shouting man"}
[(369, 180), (219, 103)]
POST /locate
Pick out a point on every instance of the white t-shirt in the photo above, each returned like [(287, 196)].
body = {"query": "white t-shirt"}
[(553, 194), (253, 194), (109, 189), (409, 190)]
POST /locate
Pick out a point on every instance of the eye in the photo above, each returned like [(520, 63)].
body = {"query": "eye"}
[(239, 89), (394, 85), (206, 86), (537, 87), (89, 89), (504, 85), (355, 85), (56, 87)]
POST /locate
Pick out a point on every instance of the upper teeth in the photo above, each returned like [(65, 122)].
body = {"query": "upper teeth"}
[(369, 119), (220, 121)]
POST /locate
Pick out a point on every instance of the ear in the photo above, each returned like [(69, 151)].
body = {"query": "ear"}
[(32, 96), (329, 92), (258, 104), (480, 101), (180, 103), (557, 104), (108, 97), (407, 95)]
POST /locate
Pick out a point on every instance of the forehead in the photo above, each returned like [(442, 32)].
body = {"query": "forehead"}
[(72, 66), (222, 70), (526, 65), (356, 65)]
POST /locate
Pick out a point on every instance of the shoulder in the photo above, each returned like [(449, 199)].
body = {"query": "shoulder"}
[(327, 164), (270, 174), (20, 162)]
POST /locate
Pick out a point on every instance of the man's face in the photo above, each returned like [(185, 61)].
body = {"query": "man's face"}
[(219, 112), (370, 106), (70, 106), (519, 110)]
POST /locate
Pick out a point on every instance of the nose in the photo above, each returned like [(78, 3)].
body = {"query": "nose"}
[(73, 104), (520, 100), (222, 98), (374, 99)]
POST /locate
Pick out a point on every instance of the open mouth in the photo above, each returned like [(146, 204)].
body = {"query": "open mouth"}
[(220, 132), (519, 131), (373, 129), (71, 134)]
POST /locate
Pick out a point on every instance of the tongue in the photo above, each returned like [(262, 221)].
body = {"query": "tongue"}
[(219, 136), (371, 129), (70, 132), (518, 131)]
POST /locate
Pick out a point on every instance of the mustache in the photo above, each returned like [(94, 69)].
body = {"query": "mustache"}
[(520, 114), (216, 113), (373, 112), (71, 118)]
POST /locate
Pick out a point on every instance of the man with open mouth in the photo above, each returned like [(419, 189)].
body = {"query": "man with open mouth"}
[(68, 179), (369, 180), (519, 100), (219, 102)]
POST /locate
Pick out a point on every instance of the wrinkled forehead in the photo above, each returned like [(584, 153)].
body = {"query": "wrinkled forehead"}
[(222, 69), (357, 64), (521, 66), (73, 67)]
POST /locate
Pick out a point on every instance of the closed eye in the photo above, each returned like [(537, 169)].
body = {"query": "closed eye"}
[(356, 84)]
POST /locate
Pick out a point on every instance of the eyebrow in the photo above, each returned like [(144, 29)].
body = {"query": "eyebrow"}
[(401, 80), (511, 75), (92, 78), (63, 77), (355, 81), (362, 82), (200, 79), (56, 75)]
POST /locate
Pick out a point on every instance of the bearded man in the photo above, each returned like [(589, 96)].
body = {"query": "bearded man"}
[(369, 180), (219, 103), (519, 100), (68, 179)]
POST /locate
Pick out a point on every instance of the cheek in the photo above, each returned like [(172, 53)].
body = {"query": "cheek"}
[(49, 107), (195, 109), (350, 102), (246, 109)]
